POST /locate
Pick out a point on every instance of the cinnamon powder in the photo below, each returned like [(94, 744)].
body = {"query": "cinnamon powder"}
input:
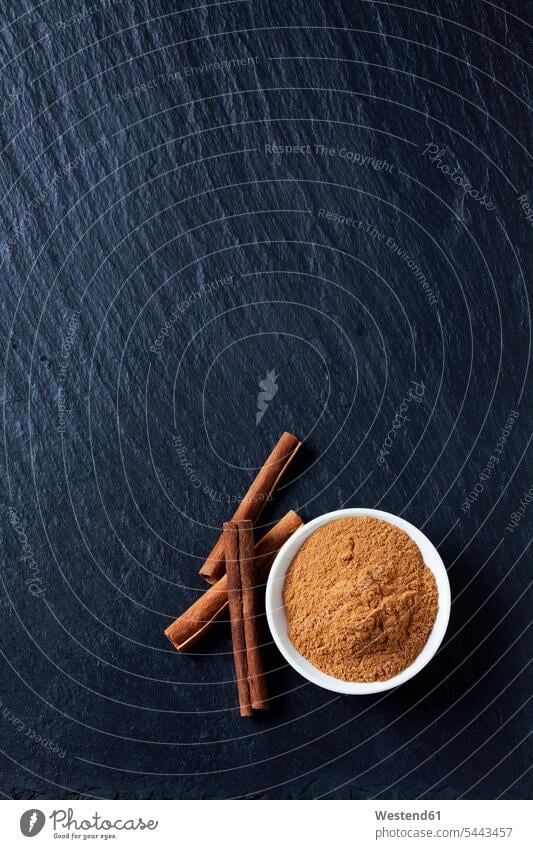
[(360, 601)]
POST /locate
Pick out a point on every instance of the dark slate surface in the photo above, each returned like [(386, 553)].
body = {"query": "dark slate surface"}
[(124, 208)]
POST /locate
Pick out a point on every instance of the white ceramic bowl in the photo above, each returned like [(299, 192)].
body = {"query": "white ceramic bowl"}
[(278, 623)]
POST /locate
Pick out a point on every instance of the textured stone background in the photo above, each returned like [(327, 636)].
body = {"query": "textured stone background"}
[(131, 187)]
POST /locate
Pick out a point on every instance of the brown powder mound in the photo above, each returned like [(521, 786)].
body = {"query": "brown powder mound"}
[(359, 599)]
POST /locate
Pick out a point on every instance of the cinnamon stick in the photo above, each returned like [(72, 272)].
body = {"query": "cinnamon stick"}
[(253, 502), (250, 614), (232, 539), (200, 616)]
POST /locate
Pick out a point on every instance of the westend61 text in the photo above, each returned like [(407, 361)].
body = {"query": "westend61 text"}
[(407, 815)]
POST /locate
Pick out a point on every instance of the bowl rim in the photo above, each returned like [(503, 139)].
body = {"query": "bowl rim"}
[(278, 624)]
